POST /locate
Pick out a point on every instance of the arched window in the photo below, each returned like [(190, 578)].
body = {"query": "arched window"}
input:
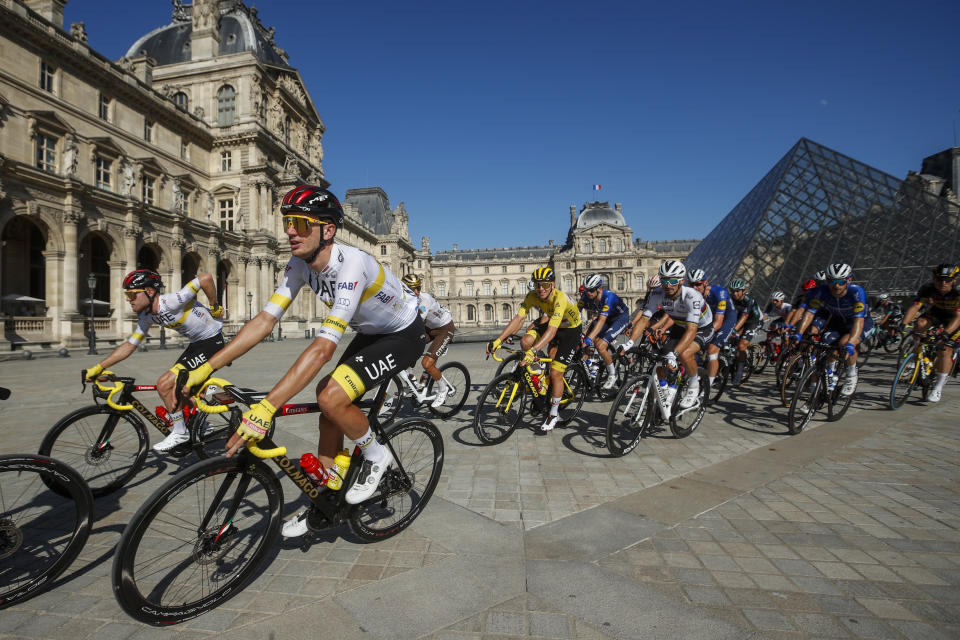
[(505, 287), (441, 288), (568, 283), (488, 312), (469, 288), (505, 312), (621, 283), (587, 246), (181, 100), (226, 105), (471, 312), (487, 288)]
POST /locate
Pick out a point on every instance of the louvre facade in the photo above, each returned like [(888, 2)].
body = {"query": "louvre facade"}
[(817, 206)]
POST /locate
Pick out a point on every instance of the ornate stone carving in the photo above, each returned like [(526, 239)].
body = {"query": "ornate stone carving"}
[(126, 64), (198, 111), (71, 156), (65, 217), (168, 90), (291, 167), (176, 203), (180, 13), (256, 98), (203, 14), (275, 117), (131, 232), (179, 241), (129, 178), (78, 31), (293, 88)]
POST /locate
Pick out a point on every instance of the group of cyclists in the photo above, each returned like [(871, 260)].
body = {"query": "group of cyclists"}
[(394, 320)]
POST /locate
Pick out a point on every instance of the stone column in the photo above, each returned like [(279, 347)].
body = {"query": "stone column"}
[(118, 303), (176, 263), (252, 272)]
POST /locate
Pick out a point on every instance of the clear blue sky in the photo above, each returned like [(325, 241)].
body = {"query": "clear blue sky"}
[(489, 119)]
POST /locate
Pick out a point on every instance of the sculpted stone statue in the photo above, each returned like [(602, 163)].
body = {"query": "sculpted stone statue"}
[(71, 155), (177, 199), (129, 180)]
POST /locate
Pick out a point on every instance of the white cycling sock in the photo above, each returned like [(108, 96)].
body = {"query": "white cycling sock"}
[(441, 384), (712, 378), (177, 419), (611, 369), (371, 449), (693, 381), (851, 370), (939, 382), (554, 406)]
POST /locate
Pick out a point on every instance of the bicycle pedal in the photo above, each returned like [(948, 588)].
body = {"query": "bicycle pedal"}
[(180, 450)]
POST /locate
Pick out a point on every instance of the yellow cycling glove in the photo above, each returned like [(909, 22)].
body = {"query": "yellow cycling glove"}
[(216, 310), (198, 376), (528, 357), (256, 421), (496, 344), (91, 374)]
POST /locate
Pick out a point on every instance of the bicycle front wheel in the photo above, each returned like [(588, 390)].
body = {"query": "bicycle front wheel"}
[(720, 381), (106, 447), (198, 540), (792, 372), (683, 421), (41, 531), (629, 415), (760, 357), (805, 401), (458, 383), (509, 364), (406, 486), (907, 377), (837, 403), (499, 409), (574, 390)]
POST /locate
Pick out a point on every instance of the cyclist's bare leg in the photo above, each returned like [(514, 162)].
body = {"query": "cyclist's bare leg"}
[(527, 341), (340, 417), (430, 366), (604, 350), (166, 390), (689, 359), (712, 365)]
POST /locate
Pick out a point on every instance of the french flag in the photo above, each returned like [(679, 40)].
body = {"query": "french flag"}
[(597, 187)]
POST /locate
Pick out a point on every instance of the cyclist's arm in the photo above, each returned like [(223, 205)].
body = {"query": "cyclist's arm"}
[(855, 330), (951, 328), (209, 287), (597, 327), (806, 320), (545, 339), (303, 371), (742, 320), (663, 323), (718, 320), (912, 312), (638, 326), (123, 351), (512, 327)]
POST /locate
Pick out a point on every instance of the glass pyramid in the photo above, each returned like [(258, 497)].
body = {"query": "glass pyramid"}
[(817, 206)]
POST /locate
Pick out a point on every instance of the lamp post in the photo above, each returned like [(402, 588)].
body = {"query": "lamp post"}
[(92, 283), (249, 305)]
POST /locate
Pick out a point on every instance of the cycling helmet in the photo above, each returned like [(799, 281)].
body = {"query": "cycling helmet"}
[(592, 283), (820, 276), (945, 271), (697, 275), (809, 284), (737, 285), (315, 202), (839, 270), (412, 280), (544, 274), (142, 278), (778, 295), (883, 296), (654, 281), (530, 285), (672, 269)]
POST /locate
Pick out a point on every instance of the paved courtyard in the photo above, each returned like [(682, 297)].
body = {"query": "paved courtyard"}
[(849, 530)]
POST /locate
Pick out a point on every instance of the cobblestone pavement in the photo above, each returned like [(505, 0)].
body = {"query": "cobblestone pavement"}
[(848, 530)]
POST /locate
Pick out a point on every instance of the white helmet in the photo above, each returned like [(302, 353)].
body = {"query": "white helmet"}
[(654, 281), (697, 275), (820, 276), (883, 296), (778, 295), (839, 270), (672, 269), (593, 282)]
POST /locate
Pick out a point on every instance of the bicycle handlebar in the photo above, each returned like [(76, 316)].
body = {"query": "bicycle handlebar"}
[(111, 391), (210, 408), (253, 448)]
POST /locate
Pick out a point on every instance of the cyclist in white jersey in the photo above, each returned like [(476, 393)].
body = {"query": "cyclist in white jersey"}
[(440, 329), (692, 327), (182, 312), (361, 294)]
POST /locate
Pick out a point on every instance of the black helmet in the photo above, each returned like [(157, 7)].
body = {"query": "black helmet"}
[(141, 279), (946, 271), (315, 202)]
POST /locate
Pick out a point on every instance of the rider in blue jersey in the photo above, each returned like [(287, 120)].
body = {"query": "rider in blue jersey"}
[(724, 317), (843, 306), (611, 317)]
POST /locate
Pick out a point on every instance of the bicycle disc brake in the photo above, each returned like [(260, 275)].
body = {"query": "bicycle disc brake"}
[(11, 538)]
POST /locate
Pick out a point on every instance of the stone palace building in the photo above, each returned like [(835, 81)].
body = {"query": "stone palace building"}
[(175, 157)]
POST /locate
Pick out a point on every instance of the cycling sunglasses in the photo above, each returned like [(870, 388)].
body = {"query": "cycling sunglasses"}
[(301, 224), (672, 282), (951, 279), (543, 284), (838, 282), (132, 293)]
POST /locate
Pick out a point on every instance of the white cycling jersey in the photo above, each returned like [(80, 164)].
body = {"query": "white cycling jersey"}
[(181, 312), (360, 292), (434, 314), (688, 307), (783, 311)]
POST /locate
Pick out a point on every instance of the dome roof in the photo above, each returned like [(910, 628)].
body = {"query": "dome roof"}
[(595, 213), (170, 43)]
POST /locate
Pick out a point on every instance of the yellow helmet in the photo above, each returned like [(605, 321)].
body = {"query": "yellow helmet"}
[(412, 280), (544, 274)]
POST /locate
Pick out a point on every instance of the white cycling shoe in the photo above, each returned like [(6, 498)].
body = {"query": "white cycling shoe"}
[(849, 385), (171, 441), (441, 397), (368, 479), (610, 382), (689, 397), (934, 395), (297, 525), (549, 423)]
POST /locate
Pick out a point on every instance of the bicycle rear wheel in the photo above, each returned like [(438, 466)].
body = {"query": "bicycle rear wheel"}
[(574, 390), (792, 372), (407, 486), (761, 357), (891, 340), (908, 375), (458, 378), (41, 531), (720, 381), (198, 540), (805, 401), (629, 416), (837, 404), (106, 447), (499, 409)]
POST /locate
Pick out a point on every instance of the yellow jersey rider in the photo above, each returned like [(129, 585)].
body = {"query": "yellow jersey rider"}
[(564, 326)]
